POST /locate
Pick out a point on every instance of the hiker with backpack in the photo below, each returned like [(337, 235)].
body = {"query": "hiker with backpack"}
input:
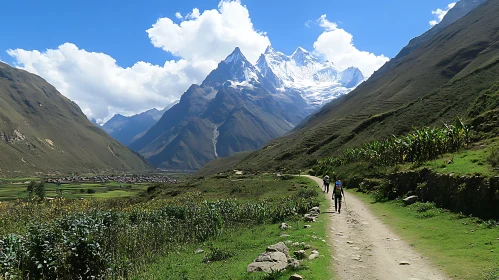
[(326, 182), (338, 194)]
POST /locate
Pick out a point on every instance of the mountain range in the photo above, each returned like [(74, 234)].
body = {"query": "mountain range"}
[(450, 71), (241, 106), (127, 129), (43, 131)]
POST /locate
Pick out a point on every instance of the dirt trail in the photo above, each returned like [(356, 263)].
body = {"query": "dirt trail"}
[(365, 248)]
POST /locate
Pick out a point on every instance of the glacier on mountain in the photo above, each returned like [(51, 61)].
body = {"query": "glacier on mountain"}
[(318, 82), (298, 76)]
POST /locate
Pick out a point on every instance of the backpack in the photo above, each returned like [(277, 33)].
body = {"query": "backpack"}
[(337, 188)]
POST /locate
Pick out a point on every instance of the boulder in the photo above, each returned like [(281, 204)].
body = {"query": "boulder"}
[(307, 226), (279, 247), (404, 263), (300, 254), (410, 199), (269, 262), (294, 264), (295, 277), (306, 246), (315, 211), (309, 218), (199, 251), (313, 256), (284, 226)]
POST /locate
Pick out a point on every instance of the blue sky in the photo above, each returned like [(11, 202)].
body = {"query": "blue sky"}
[(116, 30)]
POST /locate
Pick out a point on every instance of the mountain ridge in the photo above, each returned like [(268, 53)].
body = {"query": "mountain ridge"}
[(41, 131), (234, 109), (448, 75), (127, 129)]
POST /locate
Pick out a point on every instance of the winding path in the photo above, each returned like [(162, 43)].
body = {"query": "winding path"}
[(365, 248)]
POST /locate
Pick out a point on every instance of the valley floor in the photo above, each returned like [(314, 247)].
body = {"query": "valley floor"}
[(365, 248)]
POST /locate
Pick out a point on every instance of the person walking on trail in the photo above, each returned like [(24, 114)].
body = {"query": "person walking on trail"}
[(326, 183), (338, 194)]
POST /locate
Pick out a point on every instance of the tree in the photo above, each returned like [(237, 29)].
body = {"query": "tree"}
[(31, 188), (40, 190)]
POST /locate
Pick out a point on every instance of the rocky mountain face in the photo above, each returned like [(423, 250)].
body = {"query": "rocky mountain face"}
[(316, 81), (439, 76), (42, 131), (127, 129), (235, 109)]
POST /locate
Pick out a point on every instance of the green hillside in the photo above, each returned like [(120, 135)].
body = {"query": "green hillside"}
[(452, 74), (42, 131)]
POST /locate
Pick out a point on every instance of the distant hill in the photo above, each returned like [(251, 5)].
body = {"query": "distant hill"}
[(221, 164), (42, 131), (452, 73), (127, 129)]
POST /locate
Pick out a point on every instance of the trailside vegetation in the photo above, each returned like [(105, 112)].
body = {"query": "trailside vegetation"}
[(417, 147), (115, 241)]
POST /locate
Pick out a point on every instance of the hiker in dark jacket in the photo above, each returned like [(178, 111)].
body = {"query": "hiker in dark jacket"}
[(338, 194), (326, 181)]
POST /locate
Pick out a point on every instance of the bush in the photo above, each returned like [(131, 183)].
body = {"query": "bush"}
[(421, 207), (95, 243), (217, 254), (287, 177), (493, 158), (274, 275), (90, 191)]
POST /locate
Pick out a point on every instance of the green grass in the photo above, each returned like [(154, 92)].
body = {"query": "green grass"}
[(12, 191), (246, 244), (243, 187), (464, 247), (470, 161)]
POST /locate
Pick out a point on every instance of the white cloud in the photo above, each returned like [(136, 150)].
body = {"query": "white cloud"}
[(336, 45), (440, 14), (178, 15), (210, 35), (102, 88)]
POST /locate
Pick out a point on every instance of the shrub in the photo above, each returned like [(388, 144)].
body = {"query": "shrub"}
[(423, 206), (84, 239), (90, 191), (274, 275), (217, 254), (492, 275), (493, 158), (287, 177)]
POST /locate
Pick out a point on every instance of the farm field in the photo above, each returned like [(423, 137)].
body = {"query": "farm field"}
[(126, 237), (13, 191)]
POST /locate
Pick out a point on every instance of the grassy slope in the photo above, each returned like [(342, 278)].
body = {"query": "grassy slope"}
[(464, 248), (247, 244), (57, 135), (221, 164), (452, 74), (470, 161)]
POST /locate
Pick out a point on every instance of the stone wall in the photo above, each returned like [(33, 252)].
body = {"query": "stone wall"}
[(471, 195)]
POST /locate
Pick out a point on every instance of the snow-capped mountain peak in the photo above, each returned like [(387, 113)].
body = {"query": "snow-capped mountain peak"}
[(234, 68), (317, 81), (235, 56)]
